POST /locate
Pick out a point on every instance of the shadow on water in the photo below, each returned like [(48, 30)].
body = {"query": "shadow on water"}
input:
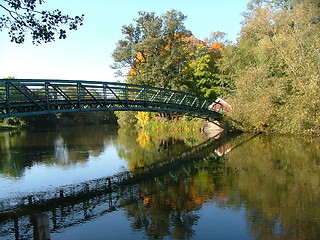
[(275, 180)]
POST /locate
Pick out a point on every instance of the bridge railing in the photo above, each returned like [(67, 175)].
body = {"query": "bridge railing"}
[(22, 96)]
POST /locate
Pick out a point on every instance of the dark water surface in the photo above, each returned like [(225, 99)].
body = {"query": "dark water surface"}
[(101, 182)]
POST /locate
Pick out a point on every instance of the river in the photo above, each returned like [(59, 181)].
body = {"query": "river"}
[(142, 185)]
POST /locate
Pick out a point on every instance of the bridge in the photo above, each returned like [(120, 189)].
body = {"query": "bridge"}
[(25, 97)]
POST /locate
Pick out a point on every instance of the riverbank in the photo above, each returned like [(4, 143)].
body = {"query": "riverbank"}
[(8, 128), (289, 134)]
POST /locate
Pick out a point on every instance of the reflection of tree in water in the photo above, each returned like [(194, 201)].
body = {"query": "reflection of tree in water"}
[(144, 148), (170, 144), (18, 151), (278, 182), (170, 204), (162, 222), (276, 179), (68, 146), (169, 211)]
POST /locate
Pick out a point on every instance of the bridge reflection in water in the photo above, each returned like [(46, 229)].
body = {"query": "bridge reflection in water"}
[(71, 205)]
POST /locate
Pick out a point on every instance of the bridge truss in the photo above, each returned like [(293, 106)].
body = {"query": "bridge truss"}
[(23, 97)]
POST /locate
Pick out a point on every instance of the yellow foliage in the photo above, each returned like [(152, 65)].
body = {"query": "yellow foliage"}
[(143, 118), (144, 140)]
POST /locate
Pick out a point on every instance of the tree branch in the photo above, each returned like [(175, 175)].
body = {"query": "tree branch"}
[(43, 25)]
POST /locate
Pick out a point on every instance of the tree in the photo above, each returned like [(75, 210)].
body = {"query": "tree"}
[(22, 16), (275, 67), (153, 49), (159, 51), (200, 73)]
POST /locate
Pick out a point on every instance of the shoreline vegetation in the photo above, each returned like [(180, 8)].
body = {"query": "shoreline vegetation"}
[(4, 128), (146, 121)]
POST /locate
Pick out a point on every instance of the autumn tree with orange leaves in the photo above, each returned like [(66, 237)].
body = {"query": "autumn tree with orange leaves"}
[(159, 51), (152, 49), (200, 73)]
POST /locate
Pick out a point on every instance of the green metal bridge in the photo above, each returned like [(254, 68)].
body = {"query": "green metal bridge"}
[(24, 97)]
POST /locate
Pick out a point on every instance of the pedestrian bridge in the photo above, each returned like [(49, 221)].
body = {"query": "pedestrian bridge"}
[(25, 97)]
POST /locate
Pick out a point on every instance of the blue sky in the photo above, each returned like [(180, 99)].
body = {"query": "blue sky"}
[(86, 53)]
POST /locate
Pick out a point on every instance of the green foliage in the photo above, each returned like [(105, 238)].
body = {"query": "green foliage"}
[(41, 121), (126, 118), (200, 76), (176, 127), (161, 52), (22, 16), (275, 68), (86, 118), (150, 122), (152, 49), (284, 173), (13, 121), (69, 119)]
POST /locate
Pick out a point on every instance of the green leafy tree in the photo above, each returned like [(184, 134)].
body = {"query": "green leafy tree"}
[(201, 73), (153, 49), (22, 16), (159, 51), (126, 118), (275, 67)]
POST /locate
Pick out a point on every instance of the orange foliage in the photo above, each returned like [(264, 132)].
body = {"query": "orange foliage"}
[(147, 201), (192, 42), (137, 63), (215, 49), (217, 46)]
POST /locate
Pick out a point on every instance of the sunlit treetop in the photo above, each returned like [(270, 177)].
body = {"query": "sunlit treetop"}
[(22, 16)]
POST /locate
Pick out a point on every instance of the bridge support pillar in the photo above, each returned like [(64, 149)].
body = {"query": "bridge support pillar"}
[(41, 227)]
